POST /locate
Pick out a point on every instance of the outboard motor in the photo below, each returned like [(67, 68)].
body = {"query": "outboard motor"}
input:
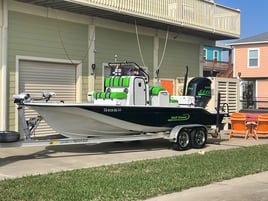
[(200, 88)]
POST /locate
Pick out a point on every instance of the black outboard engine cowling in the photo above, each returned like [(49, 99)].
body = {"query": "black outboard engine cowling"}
[(200, 88)]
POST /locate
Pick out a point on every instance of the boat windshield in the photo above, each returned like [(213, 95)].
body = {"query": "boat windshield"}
[(127, 69)]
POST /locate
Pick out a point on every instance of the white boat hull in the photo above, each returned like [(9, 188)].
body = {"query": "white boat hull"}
[(75, 122)]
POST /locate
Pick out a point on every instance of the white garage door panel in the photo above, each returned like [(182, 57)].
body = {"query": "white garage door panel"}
[(37, 77)]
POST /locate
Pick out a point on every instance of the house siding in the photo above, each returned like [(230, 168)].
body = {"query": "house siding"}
[(210, 55), (262, 93), (35, 31), (109, 43), (241, 61), (37, 36), (179, 54)]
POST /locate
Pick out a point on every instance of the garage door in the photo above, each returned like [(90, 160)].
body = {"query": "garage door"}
[(37, 77)]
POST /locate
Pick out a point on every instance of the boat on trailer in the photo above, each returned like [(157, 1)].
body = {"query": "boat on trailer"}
[(129, 107)]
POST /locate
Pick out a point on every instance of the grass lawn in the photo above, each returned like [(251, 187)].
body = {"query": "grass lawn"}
[(138, 180)]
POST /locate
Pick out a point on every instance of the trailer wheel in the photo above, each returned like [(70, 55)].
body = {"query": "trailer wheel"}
[(183, 140), (9, 136), (199, 137)]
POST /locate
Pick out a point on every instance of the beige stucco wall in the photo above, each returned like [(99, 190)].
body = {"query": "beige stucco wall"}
[(241, 61)]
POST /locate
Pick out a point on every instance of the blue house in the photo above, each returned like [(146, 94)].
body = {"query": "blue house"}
[(212, 53), (217, 60)]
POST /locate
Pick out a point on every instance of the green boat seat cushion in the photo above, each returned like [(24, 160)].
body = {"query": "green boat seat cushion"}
[(155, 90), (117, 82), (173, 100), (109, 95)]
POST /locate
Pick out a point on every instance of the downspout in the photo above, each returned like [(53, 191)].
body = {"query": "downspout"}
[(91, 56), (3, 64)]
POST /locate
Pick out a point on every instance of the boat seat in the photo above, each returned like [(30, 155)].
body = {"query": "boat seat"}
[(109, 95), (117, 82), (160, 96), (154, 91), (171, 100)]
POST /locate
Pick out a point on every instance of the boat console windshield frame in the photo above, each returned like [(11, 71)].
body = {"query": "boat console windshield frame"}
[(127, 69)]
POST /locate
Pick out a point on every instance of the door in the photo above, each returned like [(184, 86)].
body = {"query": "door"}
[(139, 91), (248, 92)]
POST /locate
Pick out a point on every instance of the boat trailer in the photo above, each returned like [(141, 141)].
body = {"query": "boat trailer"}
[(183, 137)]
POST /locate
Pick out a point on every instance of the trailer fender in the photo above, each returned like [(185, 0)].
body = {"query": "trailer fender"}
[(173, 136)]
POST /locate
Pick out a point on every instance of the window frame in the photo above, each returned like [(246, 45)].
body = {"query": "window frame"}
[(258, 57), (205, 54), (218, 55)]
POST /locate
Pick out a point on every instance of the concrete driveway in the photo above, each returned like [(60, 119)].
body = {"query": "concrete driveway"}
[(23, 161)]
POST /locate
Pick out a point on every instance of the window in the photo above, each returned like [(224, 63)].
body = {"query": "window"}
[(216, 55), (205, 54), (253, 58)]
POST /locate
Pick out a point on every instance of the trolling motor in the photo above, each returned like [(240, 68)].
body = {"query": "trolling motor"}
[(26, 98), (48, 95), (19, 99)]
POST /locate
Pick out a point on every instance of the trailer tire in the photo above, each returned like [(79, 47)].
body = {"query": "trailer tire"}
[(9, 136), (183, 140), (199, 137)]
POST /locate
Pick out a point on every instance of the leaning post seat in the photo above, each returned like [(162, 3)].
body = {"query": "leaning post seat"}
[(114, 82), (116, 89)]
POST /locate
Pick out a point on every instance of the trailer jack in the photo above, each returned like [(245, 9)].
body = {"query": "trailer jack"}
[(30, 125)]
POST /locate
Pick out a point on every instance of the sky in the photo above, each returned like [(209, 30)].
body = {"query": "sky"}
[(253, 15)]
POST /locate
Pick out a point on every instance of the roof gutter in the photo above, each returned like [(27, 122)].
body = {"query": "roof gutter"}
[(248, 43)]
